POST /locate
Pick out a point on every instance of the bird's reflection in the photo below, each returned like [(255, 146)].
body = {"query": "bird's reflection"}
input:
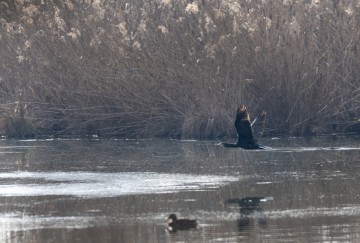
[(174, 224), (247, 202), (251, 214)]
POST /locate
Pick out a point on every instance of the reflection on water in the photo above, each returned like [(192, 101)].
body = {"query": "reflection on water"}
[(121, 191)]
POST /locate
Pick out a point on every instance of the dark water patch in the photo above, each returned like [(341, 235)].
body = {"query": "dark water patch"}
[(310, 149)]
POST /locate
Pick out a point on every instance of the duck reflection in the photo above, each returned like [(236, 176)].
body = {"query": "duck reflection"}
[(174, 224), (251, 214), (247, 202)]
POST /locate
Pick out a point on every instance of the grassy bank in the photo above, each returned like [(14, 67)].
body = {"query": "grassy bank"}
[(178, 68)]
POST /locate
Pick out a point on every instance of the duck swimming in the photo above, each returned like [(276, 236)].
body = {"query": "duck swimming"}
[(244, 130), (175, 224)]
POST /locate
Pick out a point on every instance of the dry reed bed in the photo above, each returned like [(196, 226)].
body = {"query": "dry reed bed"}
[(177, 68)]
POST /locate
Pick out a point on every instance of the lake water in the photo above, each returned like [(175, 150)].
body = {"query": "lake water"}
[(121, 191)]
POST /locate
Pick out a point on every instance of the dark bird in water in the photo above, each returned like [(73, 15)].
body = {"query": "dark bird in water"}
[(174, 224), (244, 130)]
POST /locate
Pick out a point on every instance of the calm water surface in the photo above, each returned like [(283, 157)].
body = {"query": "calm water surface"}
[(121, 191)]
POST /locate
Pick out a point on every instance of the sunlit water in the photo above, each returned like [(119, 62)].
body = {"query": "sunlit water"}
[(121, 191), (94, 185)]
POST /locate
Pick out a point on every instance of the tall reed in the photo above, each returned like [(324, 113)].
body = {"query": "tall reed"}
[(169, 68)]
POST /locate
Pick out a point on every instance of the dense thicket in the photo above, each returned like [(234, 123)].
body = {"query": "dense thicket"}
[(177, 67)]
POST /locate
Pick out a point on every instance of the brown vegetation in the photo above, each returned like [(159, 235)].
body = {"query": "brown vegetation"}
[(178, 68)]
